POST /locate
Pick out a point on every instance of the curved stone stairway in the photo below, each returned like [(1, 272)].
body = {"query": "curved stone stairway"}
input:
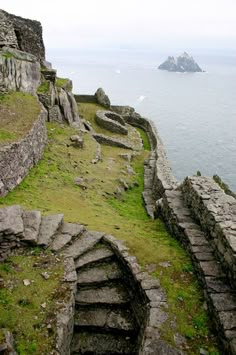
[(104, 320), (112, 306)]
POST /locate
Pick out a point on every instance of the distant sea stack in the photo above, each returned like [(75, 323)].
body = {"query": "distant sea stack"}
[(183, 63)]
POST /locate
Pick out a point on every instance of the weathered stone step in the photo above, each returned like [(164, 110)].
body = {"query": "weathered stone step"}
[(99, 273), (99, 343), (83, 244), (106, 318), (48, 228), (67, 232), (111, 295), (99, 253)]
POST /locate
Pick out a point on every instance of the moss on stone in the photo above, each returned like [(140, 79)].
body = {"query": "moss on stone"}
[(44, 87), (63, 83)]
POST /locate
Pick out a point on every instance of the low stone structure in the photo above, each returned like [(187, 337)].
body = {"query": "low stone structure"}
[(216, 212), (111, 121), (114, 142), (16, 159), (22, 34), (100, 274)]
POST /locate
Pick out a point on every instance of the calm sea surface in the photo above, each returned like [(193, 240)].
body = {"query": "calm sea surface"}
[(194, 113)]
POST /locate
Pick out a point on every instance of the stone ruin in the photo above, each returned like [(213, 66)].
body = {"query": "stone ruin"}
[(23, 34)]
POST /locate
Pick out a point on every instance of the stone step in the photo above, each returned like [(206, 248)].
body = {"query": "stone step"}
[(48, 228), (32, 221), (11, 221), (109, 295), (67, 232), (106, 318), (100, 343), (97, 254), (99, 273), (83, 244)]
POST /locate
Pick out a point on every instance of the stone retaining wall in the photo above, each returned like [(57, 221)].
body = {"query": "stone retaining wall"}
[(16, 159), (86, 99), (216, 213), (163, 178)]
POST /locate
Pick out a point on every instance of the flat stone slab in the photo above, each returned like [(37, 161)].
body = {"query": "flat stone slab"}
[(217, 285), (100, 273), (95, 255), (224, 301), (95, 343), (48, 228), (228, 319), (84, 243), (11, 221), (103, 295), (32, 221), (73, 229), (120, 319), (211, 268), (60, 241)]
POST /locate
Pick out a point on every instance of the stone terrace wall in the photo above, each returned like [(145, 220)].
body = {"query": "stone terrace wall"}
[(216, 213), (163, 177), (16, 159)]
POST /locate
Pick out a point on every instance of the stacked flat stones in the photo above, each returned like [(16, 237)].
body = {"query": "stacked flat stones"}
[(218, 288), (111, 121), (112, 306)]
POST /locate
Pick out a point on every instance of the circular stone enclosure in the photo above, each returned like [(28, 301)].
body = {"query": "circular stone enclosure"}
[(111, 121)]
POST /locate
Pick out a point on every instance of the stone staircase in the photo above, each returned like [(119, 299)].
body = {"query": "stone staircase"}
[(218, 291), (104, 320), (112, 306)]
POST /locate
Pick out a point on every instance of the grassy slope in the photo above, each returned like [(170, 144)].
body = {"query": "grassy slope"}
[(18, 112), (50, 187)]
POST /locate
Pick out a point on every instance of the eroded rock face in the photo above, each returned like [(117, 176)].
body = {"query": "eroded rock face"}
[(183, 63), (19, 71)]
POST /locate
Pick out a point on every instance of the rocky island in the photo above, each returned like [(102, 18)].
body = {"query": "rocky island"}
[(183, 63)]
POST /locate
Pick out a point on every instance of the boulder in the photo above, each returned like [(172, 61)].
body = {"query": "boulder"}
[(102, 98)]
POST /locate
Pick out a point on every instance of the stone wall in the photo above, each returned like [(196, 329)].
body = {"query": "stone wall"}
[(23, 34), (163, 178), (19, 71), (111, 121), (216, 213), (86, 99), (16, 159)]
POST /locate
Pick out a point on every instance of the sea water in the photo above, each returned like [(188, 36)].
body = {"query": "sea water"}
[(195, 113)]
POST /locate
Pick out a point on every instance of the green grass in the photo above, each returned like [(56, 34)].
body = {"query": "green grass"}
[(50, 187), (20, 305), (63, 83), (7, 55), (146, 143), (18, 112), (44, 87)]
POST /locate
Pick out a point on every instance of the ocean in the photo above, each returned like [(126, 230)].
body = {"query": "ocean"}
[(195, 113)]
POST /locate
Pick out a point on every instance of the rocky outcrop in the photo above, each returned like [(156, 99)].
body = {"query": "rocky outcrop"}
[(111, 121), (112, 306), (183, 63), (19, 71), (22, 34), (16, 159), (102, 98)]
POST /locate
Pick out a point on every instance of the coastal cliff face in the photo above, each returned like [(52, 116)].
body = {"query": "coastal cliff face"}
[(183, 63)]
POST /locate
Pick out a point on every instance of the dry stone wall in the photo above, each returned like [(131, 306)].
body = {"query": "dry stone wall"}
[(16, 159), (21, 33), (216, 213)]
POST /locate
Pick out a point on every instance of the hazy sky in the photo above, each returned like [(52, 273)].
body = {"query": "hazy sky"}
[(150, 23)]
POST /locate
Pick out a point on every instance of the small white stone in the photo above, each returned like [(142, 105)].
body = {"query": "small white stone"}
[(43, 305), (26, 282)]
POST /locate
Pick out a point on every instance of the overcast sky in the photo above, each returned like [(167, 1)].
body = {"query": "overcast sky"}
[(139, 23)]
